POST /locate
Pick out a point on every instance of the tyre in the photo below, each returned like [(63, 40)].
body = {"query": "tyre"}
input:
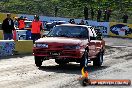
[(38, 61), (99, 60), (84, 59), (60, 62), (84, 82)]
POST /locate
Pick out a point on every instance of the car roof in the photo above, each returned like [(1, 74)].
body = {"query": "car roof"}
[(27, 21), (74, 25)]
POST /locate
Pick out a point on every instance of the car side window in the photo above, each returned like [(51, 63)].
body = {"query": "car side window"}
[(84, 32)]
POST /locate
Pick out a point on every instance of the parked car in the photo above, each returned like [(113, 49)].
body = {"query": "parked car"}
[(70, 43)]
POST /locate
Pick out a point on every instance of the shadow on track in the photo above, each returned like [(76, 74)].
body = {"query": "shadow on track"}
[(15, 56), (70, 68)]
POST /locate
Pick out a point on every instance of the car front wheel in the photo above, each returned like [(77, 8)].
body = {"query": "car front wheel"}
[(84, 59), (99, 60), (38, 61)]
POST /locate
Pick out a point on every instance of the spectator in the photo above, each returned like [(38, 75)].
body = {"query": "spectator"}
[(82, 22), (99, 13), (125, 18), (105, 15), (15, 22), (8, 27), (25, 18), (108, 12), (72, 21), (21, 23), (87, 23), (86, 13), (36, 29), (92, 13), (56, 10)]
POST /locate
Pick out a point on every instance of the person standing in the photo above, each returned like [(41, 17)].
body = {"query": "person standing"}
[(92, 13), (36, 27), (86, 13), (99, 13), (72, 21), (82, 22), (108, 12), (21, 23), (8, 27), (125, 18), (56, 10), (105, 15)]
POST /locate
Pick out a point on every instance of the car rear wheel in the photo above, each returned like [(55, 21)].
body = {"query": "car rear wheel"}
[(84, 59), (38, 61), (99, 60)]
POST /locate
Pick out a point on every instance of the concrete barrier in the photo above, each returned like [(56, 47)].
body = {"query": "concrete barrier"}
[(24, 46), (1, 35), (7, 47)]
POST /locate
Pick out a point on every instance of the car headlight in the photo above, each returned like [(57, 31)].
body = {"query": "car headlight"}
[(72, 47), (41, 45)]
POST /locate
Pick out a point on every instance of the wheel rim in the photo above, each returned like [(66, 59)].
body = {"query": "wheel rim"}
[(86, 60), (101, 58)]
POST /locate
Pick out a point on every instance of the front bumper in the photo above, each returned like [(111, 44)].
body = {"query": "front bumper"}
[(55, 53)]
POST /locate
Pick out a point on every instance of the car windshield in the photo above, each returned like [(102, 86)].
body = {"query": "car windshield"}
[(69, 31)]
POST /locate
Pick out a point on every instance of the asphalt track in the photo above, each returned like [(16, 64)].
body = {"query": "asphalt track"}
[(21, 72)]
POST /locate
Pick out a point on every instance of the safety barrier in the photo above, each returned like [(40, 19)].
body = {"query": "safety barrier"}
[(7, 47), (1, 35), (11, 47), (24, 46)]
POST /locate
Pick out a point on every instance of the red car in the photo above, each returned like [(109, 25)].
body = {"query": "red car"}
[(70, 43)]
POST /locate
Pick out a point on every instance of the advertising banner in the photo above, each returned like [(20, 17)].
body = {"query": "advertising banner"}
[(1, 34), (7, 47), (120, 30), (102, 26)]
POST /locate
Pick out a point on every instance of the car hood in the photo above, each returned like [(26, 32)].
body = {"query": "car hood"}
[(60, 40)]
